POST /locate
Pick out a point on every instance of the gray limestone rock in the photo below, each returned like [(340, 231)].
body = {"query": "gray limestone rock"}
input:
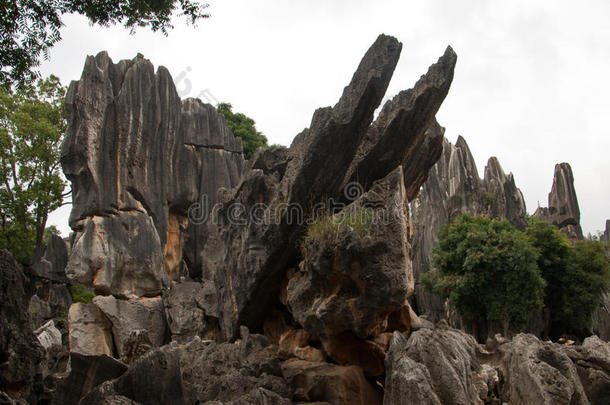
[(86, 372), (20, 351), (119, 254), (50, 263), (600, 319), (330, 383), (356, 268), (89, 330), (138, 157), (563, 210), (541, 373), (125, 316), (191, 310), (406, 380), (453, 187), (247, 258)]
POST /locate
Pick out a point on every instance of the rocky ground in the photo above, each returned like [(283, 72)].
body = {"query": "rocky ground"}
[(285, 279)]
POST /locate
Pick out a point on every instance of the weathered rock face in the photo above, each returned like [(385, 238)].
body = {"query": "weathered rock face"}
[(20, 351), (353, 277), (201, 371), (437, 366), (86, 372), (538, 373), (446, 366), (248, 259), (453, 187), (50, 263), (191, 310), (146, 315), (329, 383), (90, 330), (563, 210), (600, 319), (137, 158)]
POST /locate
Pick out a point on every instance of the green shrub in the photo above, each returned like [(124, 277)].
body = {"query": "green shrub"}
[(327, 227), (488, 270), (81, 293)]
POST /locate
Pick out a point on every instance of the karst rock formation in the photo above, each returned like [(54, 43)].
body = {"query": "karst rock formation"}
[(563, 211), (284, 279), (453, 187)]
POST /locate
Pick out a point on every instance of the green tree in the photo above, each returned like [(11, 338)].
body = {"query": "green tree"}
[(244, 127), (28, 28), (33, 123), (576, 277), (488, 270)]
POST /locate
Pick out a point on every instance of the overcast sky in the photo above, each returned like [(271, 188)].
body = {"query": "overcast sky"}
[(531, 84)]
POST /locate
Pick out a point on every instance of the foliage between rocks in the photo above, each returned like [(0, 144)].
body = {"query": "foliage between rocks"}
[(81, 293), (243, 127), (328, 227), (492, 272)]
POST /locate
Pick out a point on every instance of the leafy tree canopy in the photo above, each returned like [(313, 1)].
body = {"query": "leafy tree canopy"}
[(576, 275), (28, 28), (33, 123), (488, 270), (244, 127)]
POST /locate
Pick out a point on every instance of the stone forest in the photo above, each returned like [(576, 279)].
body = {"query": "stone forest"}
[(195, 276)]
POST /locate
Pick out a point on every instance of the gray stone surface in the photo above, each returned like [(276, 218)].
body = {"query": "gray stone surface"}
[(191, 310), (89, 330), (563, 210), (50, 262), (450, 356), (248, 259), (406, 379), (125, 316), (20, 351), (541, 373), (48, 335), (138, 157), (86, 372), (453, 187)]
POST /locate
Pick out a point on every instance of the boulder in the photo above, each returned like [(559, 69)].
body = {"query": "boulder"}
[(143, 314), (356, 268), (86, 373), (563, 210), (90, 330), (128, 264), (39, 311), (20, 351), (153, 379), (406, 379), (48, 335), (227, 372), (50, 262), (202, 372), (450, 357), (324, 382), (541, 373), (191, 310), (295, 343)]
